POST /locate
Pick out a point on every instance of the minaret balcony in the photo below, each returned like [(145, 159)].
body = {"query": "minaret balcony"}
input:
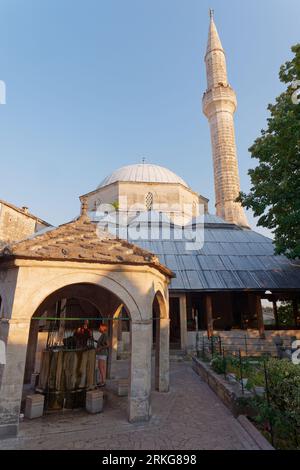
[(221, 97)]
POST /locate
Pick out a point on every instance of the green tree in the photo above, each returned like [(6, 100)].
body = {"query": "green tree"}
[(275, 193), (286, 314)]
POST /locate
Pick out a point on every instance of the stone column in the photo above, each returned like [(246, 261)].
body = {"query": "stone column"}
[(113, 348), (259, 317), (31, 350), (115, 333), (12, 378), (119, 334), (162, 363), (209, 315), (183, 322), (140, 371)]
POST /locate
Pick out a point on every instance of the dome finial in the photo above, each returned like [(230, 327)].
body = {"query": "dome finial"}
[(143, 160), (84, 209), (211, 13)]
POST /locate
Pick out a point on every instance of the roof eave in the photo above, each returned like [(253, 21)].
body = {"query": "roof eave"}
[(10, 259)]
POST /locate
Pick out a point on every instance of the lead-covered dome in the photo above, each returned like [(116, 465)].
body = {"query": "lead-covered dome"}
[(143, 173)]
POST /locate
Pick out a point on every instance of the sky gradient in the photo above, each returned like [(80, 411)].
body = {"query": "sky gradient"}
[(97, 84)]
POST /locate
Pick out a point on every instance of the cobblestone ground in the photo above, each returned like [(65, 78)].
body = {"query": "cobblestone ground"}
[(190, 416)]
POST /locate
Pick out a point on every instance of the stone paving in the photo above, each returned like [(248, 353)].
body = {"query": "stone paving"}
[(189, 417)]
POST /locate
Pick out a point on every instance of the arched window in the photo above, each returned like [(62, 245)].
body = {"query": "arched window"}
[(97, 203), (195, 209), (149, 201)]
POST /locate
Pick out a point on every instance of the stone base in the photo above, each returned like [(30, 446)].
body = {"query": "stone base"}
[(34, 407), (34, 380), (123, 388), (94, 401), (139, 411), (260, 440), (8, 430)]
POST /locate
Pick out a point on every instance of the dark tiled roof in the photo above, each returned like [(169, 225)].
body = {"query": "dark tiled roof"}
[(80, 240), (231, 258)]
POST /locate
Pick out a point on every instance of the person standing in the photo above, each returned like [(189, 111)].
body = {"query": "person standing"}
[(82, 335), (102, 349)]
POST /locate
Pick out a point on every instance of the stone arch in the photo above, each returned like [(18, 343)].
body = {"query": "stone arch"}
[(44, 291), (41, 292), (163, 303), (34, 282), (56, 295), (71, 296)]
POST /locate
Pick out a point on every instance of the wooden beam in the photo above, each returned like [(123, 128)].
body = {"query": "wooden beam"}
[(209, 315)]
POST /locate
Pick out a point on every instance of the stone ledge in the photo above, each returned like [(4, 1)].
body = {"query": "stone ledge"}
[(229, 397), (260, 440), (228, 393), (8, 430)]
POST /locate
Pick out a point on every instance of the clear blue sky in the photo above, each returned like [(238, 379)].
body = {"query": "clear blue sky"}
[(96, 84)]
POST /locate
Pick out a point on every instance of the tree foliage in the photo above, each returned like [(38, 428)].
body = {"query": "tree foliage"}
[(286, 314), (275, 193)]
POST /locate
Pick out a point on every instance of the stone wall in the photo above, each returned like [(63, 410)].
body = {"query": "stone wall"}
[(247, 341), (219, 385), (16, 225), (165, 194)]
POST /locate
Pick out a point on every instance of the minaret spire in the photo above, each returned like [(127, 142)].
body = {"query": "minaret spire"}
[(219, 105)]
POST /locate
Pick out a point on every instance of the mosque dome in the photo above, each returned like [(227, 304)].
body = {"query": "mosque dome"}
[(143, 173)]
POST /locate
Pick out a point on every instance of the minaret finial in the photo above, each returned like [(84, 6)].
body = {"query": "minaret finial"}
[(211, 13)]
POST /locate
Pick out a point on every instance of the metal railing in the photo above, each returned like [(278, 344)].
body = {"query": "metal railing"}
[(250, 376)]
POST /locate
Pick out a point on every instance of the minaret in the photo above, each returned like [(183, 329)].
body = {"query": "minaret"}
[(219, 105)]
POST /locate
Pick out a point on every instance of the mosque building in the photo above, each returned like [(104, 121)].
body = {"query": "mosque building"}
[(147, 257)]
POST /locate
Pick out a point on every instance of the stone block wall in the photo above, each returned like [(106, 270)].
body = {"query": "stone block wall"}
[(247, 341), (16, 225)]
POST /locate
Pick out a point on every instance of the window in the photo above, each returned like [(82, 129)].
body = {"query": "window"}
[(149, 201), (97, 203), (195, 209)]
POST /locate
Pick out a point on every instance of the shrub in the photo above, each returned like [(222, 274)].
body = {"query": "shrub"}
[(218, 364), (285, 314), (284, 387), (256, 378)]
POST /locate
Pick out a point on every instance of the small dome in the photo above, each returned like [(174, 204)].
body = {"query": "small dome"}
[(143, 173)]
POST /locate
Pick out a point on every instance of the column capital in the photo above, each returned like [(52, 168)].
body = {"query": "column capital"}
[(141, 322), (16, 321)]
